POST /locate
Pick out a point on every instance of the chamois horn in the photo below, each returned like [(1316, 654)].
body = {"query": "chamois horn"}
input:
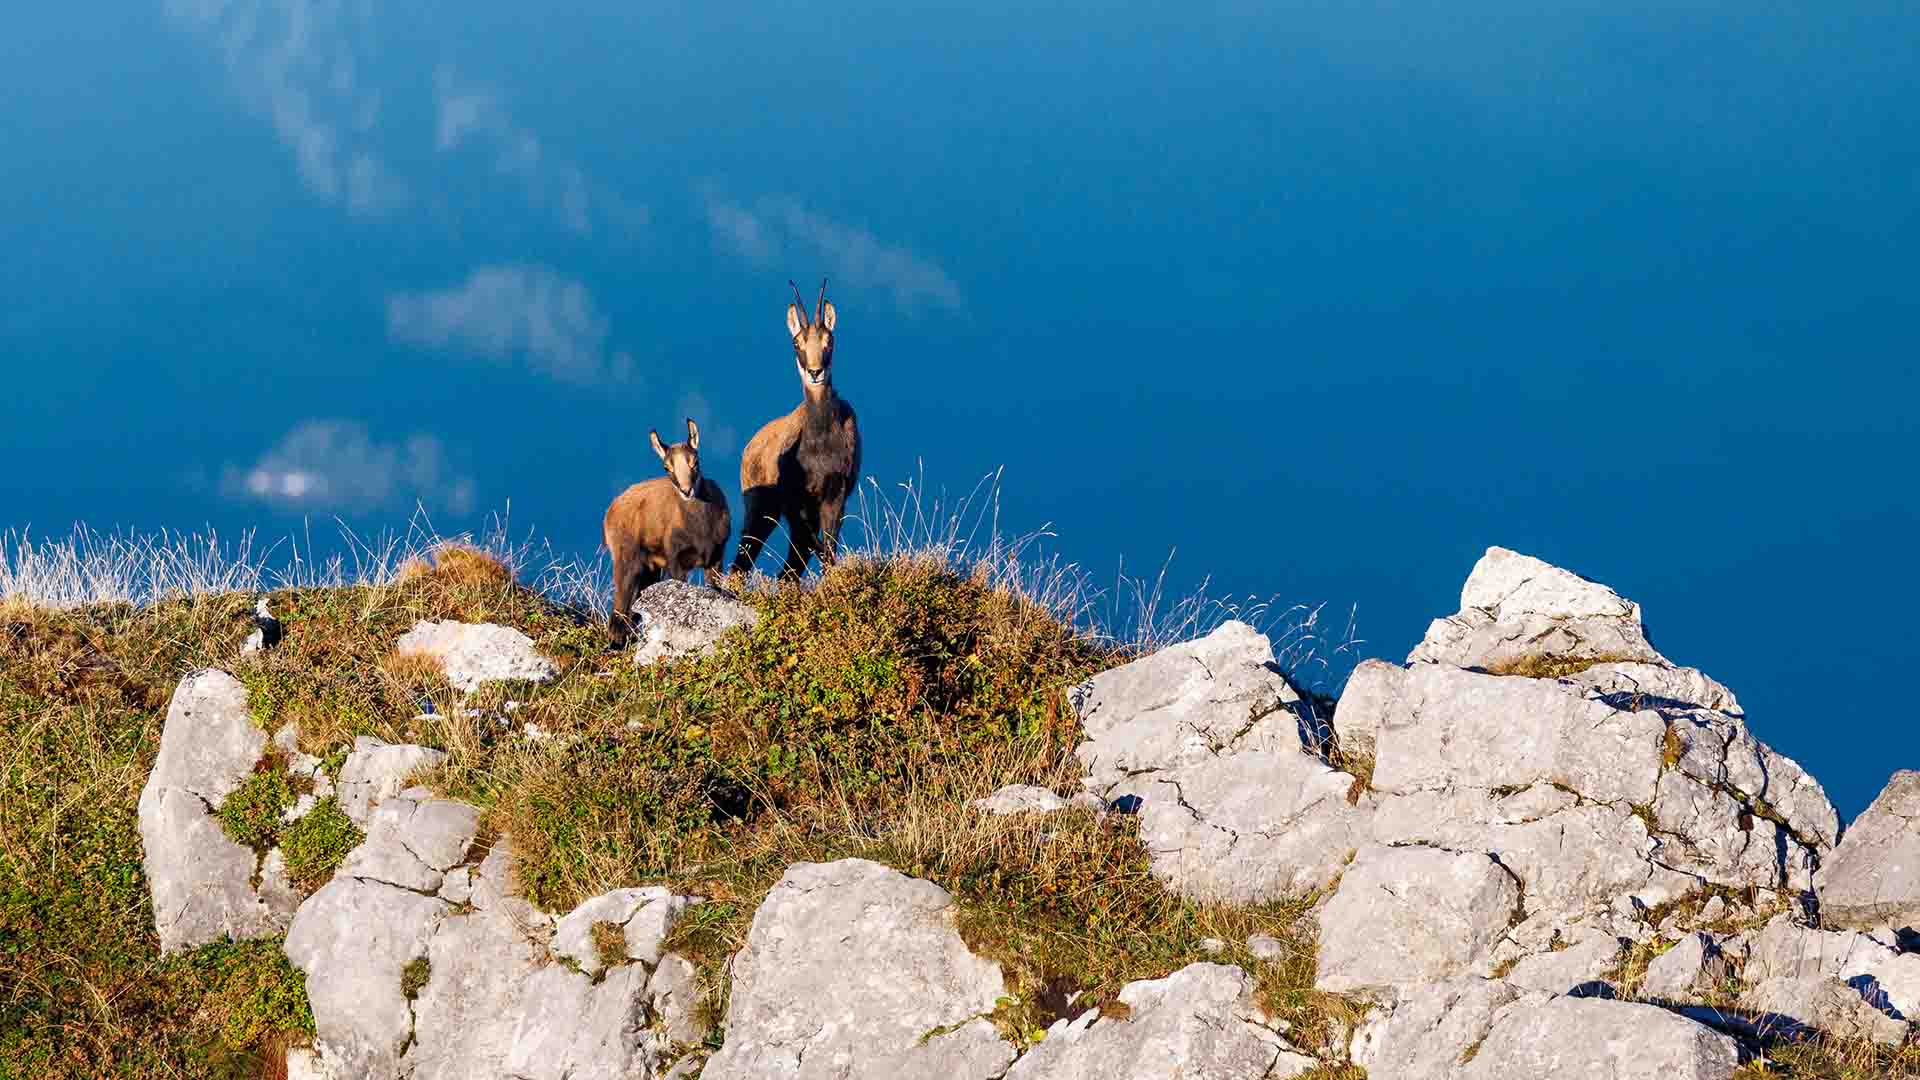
[(820, 306), (799, 302)]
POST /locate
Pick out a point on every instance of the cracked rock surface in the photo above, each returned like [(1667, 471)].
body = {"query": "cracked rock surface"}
[(1206, 735), (1568, 1038), (1873, 877), (378, 770), (199, 878), (1432, 1028), (1200, 1021), (1412, 915), (1515, 607), (675, 618), (475, 654), (854, 970)]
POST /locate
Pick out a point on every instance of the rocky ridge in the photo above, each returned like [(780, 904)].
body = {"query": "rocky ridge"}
[(1540, 848)]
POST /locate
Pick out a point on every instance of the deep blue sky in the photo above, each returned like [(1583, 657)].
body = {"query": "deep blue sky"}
[(1327, 297)]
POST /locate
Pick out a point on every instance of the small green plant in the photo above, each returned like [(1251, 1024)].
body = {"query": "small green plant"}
[(610, 943), (251, 813), (413, 977), (317, 843)]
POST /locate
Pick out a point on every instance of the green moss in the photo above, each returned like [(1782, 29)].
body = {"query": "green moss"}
[(317, 843), (251, 812), (413, 977)]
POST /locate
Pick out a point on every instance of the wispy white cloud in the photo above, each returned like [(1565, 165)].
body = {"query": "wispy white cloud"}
[(505, 312), (718, 439), (468, 115), (781, 229), (338, 465), (298, 61)]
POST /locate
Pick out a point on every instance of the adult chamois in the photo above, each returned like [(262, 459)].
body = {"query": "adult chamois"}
[(664, 527), (802, 466)]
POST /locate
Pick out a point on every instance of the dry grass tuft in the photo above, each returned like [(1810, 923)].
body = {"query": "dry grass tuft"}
[(1549, 667)]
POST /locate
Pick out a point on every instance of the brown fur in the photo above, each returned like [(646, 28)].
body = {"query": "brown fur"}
[(654, 531), (802, 466)]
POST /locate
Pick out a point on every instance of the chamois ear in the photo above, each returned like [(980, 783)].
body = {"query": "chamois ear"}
[(658, 446), (796, 320), (693, 433), (826, 315)]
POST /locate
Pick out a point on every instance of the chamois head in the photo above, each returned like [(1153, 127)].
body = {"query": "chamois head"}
[(682, 460), (812, 339)]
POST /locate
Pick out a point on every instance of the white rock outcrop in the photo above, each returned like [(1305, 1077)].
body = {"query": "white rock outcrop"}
[(1873, 877), (1409, 915), (675, 618), (1204, 738), (1435, 1028), (377, 770), (462, 982), (1568, 1038), (1515, 607), (475, 654), (201, 881), (854, 970), (1200, 1021)]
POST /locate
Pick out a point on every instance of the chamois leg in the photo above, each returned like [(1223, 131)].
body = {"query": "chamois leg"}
[(827, 542), (762, 514), (626, 585), (805, 534)]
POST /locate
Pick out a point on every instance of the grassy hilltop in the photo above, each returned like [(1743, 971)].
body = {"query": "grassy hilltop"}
[(858, 717)]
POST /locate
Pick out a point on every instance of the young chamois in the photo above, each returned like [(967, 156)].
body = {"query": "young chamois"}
[(664, 527), (802, 466)]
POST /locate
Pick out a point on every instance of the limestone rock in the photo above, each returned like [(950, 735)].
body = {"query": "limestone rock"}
[(198, 877), (475, 654), (1368, 697), (1200, 1021), (1822, 1003), (1577, 1038), (1678, 974), (854, 970), (571, 1029), (1515, 608), (1873, 876), (644, 916), (679, 619), (413, 840), (1636, 684), (1248, 826), (353, 938), (1411, 915), (1184, 704), (673, 993), (1886, 979), (1433, 1027), (1451, 728), (1577, 969), (378, 770), (1021, 799)]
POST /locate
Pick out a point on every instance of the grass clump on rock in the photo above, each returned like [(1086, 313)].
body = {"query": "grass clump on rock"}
[(251, 812), (317, 843)]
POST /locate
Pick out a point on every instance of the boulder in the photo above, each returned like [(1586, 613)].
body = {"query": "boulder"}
[(1248, 826), (378, 770), (1434, 1026), (353, 939), (850, 970), (1873, 877), (1678, 975), (1200, 1021), (1412, 915), (1883, 977), (678, 619), (1366, 700), (413, 839), (482, 994), (1568, 1038), (1515, 608), (199, 878), (1807, 1003), (1580, 969), (475, 654), (643, 915), (1184, 704)]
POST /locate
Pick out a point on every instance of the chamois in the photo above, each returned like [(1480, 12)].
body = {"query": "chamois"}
[(802, 466), (664, 527)]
